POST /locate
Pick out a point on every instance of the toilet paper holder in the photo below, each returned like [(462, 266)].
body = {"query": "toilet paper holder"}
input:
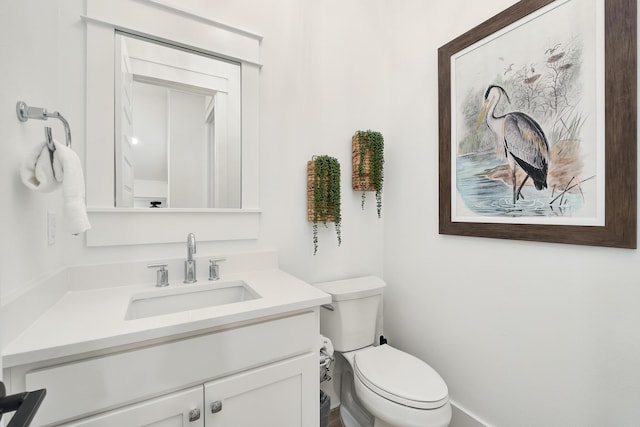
[(325, 364), (326, 357)]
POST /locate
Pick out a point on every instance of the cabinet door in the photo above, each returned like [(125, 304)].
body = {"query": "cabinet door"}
[(180, 409), (284, 394)]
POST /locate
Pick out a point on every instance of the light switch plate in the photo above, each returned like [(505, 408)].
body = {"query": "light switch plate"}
[(51, 228)]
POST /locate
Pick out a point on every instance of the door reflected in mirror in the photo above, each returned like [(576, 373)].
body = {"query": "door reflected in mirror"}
[(177, 127)]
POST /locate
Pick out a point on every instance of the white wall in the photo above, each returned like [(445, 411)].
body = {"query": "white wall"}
[(149, 127), (187, 145), (34, 79), (324, 78), (525, 334), (558, 349)]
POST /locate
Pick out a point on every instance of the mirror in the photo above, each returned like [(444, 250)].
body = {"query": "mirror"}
[(177, 127), (168, 23)]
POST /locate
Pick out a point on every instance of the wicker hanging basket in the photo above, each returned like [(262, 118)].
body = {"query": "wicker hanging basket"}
[(364, 182), (311, 179), (323, 195), (367, 166)]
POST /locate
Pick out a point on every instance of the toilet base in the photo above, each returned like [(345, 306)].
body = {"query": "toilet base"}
[(352, 413), (349, 420)]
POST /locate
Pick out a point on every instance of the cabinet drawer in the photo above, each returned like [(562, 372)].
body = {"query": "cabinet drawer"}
[(93, 385)]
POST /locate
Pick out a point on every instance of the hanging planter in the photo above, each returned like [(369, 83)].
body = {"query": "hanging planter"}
[(323, 195), (368, 164)]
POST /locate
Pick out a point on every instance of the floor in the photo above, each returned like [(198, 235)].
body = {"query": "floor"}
[(334, 418)]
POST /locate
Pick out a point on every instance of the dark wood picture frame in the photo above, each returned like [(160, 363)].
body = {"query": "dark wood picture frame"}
[(620, 119)]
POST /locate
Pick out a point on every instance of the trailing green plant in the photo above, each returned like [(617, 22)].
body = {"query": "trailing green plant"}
[(326, 196), (373, 142)]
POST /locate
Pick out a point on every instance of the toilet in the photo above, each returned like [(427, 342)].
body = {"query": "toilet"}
[(381, 385)]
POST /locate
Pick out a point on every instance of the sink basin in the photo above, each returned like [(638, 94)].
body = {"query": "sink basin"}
[(184, 298)]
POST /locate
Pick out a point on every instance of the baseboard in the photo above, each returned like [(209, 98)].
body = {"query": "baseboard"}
[(462, 418)]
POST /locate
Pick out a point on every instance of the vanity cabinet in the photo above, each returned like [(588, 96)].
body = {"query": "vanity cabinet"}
[(269, 396), (260, 372)]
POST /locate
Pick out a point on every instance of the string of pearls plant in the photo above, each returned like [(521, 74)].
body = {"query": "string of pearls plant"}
[(370, 169), (324, 205)]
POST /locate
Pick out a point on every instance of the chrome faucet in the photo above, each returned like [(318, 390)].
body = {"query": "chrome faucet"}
[(190, 263)]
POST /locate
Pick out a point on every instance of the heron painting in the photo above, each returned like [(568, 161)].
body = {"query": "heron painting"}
[(537, 125), (524, 135), (524, 141)]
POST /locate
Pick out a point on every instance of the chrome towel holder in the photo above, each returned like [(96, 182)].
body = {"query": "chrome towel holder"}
[(26, 112)]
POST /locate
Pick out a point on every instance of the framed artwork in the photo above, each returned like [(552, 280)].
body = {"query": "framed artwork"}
[(537, 125)]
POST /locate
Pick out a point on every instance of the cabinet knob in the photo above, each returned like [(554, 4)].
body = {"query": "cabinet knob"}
[(194, 415), (216, 407)]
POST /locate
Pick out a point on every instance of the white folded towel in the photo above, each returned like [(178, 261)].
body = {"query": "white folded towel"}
[(42, 173), (37, 170), (73, 188)]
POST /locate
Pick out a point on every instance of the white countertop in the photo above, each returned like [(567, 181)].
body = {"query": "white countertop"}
[(92, 320)]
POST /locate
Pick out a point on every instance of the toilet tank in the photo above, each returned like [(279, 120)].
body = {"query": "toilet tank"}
[(350, 321)]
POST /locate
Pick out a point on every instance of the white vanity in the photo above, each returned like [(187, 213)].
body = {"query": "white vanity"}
[(244, 361)]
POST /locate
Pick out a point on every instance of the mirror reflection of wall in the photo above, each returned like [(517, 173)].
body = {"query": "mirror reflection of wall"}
[(151, 182), (178, 127)]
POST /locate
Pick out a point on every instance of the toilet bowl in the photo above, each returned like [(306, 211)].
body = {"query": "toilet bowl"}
[(382, 386), (399, 389)]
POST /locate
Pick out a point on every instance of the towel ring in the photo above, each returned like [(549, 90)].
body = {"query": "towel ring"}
[(48, 138), (26, 112)]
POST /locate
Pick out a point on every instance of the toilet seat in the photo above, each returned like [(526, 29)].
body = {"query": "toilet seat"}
[(400, 377)]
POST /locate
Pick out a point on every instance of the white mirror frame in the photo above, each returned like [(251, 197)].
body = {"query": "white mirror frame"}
[(169, 21)]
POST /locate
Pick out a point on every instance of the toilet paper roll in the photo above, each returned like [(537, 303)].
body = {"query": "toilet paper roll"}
[(326, 346)]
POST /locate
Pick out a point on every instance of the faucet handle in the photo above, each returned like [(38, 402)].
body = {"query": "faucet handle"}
[(214, 268), (162, 275)]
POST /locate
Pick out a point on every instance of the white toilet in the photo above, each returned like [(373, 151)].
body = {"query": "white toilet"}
[(382, 386)]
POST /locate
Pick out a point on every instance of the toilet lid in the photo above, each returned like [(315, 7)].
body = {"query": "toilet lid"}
[(400, 377)]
